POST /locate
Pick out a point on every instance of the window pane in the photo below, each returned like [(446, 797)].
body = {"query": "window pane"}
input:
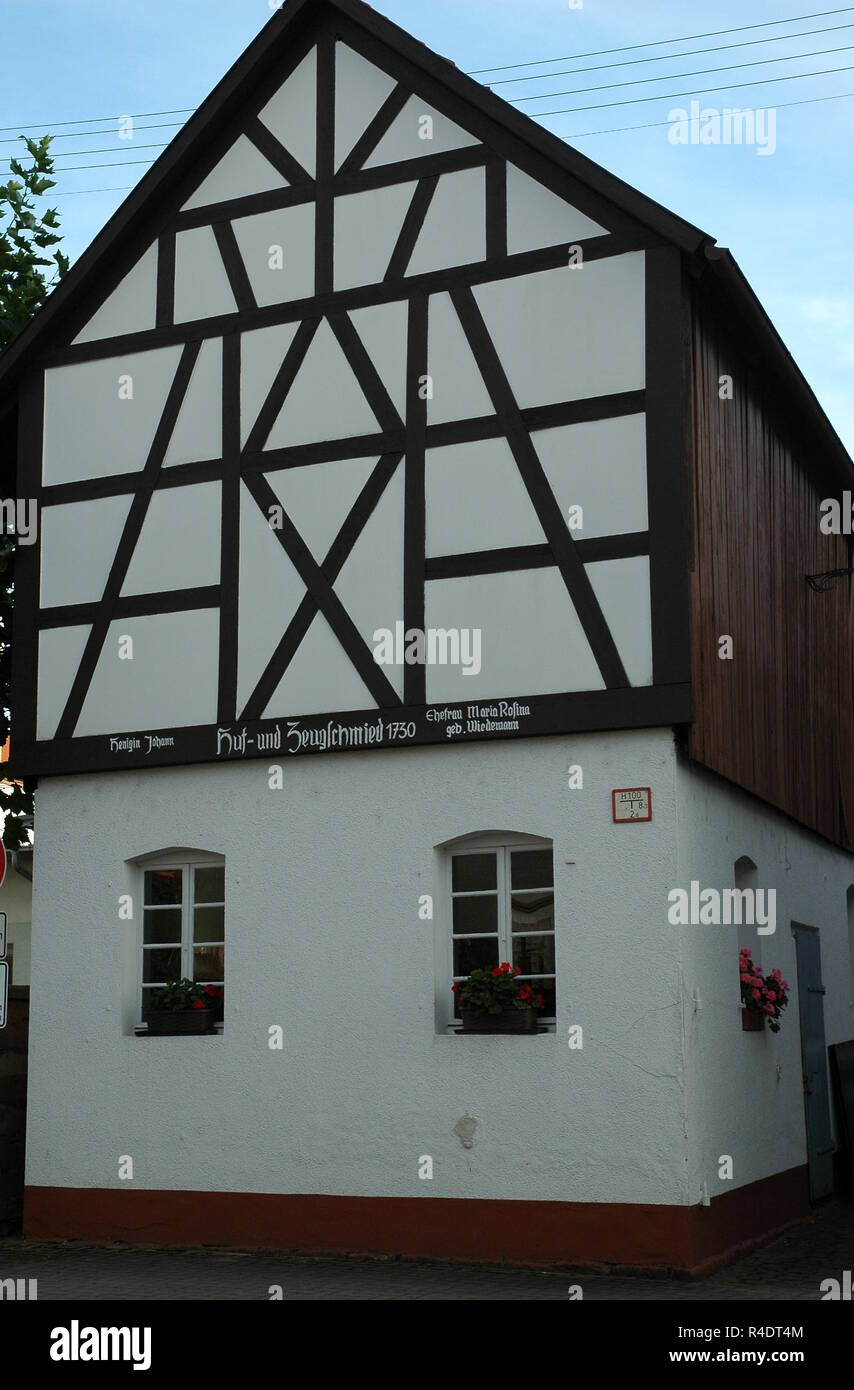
[(159, 967), (547, 989), (475, 915), (209, 924), (470, 872), (533, 912), (209, 884), (534, 955), (531, 868), (163, 926), (478, 954), (208, 963), (162, 886)]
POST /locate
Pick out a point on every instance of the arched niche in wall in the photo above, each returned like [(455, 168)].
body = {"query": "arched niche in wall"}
[(745, 878)]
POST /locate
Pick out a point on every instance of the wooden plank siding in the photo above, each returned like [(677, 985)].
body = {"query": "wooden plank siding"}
[(778, 719)]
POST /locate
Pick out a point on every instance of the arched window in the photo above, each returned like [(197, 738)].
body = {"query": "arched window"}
[(182, 892), (501, 907)]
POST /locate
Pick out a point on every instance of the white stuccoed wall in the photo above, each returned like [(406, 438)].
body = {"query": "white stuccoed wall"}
[(323, 937), (737, 1103)]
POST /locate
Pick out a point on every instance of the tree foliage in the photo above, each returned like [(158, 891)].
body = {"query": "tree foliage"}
[(31, 264)]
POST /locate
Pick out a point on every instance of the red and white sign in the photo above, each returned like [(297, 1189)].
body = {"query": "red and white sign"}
[(631, 803)]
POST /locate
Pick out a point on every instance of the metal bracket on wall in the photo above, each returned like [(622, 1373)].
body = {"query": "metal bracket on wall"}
[(822, 582)]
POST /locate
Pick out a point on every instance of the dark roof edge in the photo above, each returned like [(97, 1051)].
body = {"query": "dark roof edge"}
[(694, 243), (779, 362), (274, 33), (76, 283)]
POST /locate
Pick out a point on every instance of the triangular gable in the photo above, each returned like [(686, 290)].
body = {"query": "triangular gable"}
[(354, 302), (276, 54)]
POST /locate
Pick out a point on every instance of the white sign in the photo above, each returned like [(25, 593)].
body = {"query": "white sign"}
[(4, 991), (2, 934), (631, 803)]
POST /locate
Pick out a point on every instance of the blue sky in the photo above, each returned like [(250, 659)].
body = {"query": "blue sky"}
[(787, 217)]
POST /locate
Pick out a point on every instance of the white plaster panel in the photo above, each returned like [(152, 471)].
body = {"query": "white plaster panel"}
[(242, 171), (406, 137), (370, 584), (320, 679), (262, 353), (318, 497), (201, 284), (360, 90), (291, 113), (758, 1119), (454, 231), (564, 335), (179, 544), (325, 401), (367, 226), (79, 543), (537, 217), (531, 639), (476, 500), (344, 849), (269, 593), (622, 588), (198, 430), (172, 679), (459, 392), (383, 330), (600, 466), (259, 239), (89, 431), (132, 306), (60, 650)]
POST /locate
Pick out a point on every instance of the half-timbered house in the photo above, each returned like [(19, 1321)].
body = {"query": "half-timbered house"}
[(429, 574)]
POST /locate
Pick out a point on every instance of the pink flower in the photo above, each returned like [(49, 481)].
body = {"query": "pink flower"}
[(756, 994), (769, 1008)]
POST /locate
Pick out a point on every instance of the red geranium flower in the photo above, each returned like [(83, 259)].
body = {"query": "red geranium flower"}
[(199, 1004)]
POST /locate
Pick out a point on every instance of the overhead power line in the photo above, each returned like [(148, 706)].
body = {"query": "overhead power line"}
[(652, 125), (77, 192), (474, 72), (658, 43), (78, 134), (106, 149), (677, 76), (697, 92), (92, 120), (544, 96), (665, 57), (574, 135)]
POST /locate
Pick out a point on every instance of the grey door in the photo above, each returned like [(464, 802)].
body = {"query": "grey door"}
[(814, 1061)]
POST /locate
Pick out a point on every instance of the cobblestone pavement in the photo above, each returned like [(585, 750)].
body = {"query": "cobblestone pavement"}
[(791, 1267)]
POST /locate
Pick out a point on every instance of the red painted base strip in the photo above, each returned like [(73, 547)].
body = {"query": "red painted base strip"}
[(535, 1233)]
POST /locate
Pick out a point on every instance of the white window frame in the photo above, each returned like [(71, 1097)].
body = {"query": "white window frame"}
[(502, 846), (187, 906)]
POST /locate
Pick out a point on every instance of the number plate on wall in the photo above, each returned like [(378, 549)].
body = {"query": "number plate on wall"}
[(631, 803)]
